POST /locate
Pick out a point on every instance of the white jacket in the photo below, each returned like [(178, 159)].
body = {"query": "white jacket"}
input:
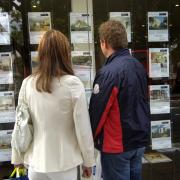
[(62, 133)]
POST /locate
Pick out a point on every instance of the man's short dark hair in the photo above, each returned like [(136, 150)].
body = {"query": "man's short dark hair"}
[(114, 33)]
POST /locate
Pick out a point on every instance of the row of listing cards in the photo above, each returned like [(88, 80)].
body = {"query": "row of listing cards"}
[(81, 26)]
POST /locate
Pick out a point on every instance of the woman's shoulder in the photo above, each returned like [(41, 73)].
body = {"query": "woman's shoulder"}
[(74, 85), (71, 80), (27, 79)]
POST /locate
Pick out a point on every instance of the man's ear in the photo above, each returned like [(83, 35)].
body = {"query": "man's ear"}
[(101, 41), (106, 45)]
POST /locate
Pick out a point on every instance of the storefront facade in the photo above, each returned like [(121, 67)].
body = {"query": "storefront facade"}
[(153, 31)]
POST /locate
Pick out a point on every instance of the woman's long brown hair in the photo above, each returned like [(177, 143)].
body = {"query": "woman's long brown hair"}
[(54, 59)]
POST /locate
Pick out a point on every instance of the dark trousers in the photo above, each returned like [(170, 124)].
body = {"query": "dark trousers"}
[(123, 166)]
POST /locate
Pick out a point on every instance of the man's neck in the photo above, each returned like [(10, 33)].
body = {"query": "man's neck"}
[(110, 52)]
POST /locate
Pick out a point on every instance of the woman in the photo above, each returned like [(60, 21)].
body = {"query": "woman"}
[(56, 99)]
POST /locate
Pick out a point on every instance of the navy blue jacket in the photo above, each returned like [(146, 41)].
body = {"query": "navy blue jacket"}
[(119, 108)]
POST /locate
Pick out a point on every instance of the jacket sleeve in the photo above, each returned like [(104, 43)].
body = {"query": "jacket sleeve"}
[(100, 99), (82, 122)]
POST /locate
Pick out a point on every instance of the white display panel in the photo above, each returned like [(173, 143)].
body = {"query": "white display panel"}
[(4, 29), (81, 28), (39, 23), (7, 107), (82, 58), (159, 99), (85, 74), (158, 26), (5, 155), (161, 134), (5, 145), (158, 62), (6, 71)]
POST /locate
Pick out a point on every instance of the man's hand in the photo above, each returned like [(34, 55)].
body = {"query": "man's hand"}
[(87, 171)]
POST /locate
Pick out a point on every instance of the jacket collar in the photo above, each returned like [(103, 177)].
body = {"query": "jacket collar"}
[(121, 52)]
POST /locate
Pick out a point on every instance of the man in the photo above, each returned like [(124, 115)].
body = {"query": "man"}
[(119, 109)]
